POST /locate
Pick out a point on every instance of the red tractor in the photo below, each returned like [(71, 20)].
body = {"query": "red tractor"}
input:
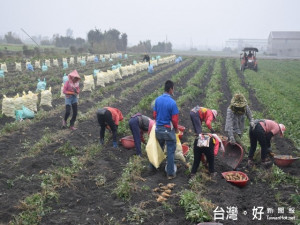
[(248, 61)]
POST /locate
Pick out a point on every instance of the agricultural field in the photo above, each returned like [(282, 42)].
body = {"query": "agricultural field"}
[(50, 175)]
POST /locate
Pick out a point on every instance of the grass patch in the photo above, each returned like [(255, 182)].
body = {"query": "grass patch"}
[(196, 208), (67, 149), (131, 173)]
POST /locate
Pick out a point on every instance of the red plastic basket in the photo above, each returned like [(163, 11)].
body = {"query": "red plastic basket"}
[(284, 160), (185, 149), (240, 183), (180, 134), (127, 142), (181, 128), (233, 154)]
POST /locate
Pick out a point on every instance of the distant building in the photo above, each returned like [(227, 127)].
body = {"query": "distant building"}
[(240, 43), (284, 43)]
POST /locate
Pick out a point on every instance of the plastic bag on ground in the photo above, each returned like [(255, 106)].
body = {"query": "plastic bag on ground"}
[(44, 68), (100, 79), (8, 107), (24, 113), (65, 78), (46, 97), (2, 73), (150, 68), (88, 83), (178, 152), (41, 85)]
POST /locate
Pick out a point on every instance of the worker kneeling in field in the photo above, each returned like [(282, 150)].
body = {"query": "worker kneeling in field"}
[(199, 114), (262, 131), (208, 144), (109, 117), (235, 119), (139, 124)]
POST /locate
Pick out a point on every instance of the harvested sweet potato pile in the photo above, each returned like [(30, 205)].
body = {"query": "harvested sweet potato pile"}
[(164, 190), (234, 176)]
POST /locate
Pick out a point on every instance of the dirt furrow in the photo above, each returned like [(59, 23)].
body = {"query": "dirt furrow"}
[(78, 138), (112, 171)]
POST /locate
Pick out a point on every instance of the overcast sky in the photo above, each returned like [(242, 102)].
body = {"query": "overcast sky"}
[(182, 22)]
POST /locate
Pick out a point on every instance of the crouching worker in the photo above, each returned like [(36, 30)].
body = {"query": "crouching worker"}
[(199, 114), (262, 131), (139, 124), (209, 145), (109, 118), (237, 111)]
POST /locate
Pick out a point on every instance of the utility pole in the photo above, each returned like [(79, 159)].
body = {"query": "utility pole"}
[(166, 43)]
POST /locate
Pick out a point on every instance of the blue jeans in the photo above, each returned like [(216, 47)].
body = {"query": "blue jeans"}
[(167, 136)]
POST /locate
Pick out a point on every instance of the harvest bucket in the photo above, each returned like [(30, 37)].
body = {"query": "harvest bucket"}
[(284, 160), (185, 149), (238, 182), (127, 142), (180, 134), (181, 128), (233, 154)]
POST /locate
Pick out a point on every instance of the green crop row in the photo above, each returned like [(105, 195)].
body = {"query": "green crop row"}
[(192, 88), (278, 96), (213, 92)]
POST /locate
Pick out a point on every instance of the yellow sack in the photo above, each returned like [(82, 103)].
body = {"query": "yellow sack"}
[(178, 152), (153, 149)]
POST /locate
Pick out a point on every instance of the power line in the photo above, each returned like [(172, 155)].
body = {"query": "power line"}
[(30, 37)]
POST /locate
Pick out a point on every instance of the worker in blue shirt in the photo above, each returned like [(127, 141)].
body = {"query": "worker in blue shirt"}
[(166, 115)]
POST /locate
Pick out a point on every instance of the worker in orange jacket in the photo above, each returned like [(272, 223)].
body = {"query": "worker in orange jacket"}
[(109, 117)]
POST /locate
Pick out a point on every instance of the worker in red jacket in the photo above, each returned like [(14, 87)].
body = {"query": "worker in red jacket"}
[(199, 114), (109, 117), (262, 131)]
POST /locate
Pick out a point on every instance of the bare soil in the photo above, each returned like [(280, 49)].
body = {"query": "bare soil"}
[(83, 202)]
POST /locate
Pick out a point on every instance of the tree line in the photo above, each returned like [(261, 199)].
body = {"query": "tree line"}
[(96, 42)]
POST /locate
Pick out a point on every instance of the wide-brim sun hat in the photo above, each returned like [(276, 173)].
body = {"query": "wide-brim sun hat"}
[(282, 129), (239, 101)]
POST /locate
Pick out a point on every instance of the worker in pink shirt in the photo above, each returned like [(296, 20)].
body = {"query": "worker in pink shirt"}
[(71, 91), (262, 131)]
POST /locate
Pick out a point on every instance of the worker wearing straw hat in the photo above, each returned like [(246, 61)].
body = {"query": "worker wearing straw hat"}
[(235, 118)]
